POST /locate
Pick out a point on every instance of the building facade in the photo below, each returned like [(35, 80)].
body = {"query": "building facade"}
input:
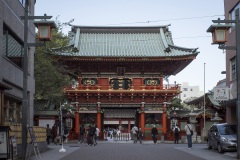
[(119, 74), (231, 82), (189, 91), (11, 60)]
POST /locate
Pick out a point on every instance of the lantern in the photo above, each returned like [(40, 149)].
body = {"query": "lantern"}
[(45, 29), (219, 33)]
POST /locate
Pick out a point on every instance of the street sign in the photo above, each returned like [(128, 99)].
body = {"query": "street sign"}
[(221, 94)]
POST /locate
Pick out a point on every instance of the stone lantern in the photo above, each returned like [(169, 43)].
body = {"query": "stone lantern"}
[(216, 118)]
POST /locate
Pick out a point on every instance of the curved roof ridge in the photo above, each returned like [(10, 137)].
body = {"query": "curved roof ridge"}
[(184, 48), (106, 26)]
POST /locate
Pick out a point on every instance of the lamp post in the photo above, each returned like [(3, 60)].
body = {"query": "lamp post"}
[(204, 104), (25, 106), (219, 37), (61, 129)]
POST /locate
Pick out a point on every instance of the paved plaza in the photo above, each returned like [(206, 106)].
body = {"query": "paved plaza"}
[(129, 151)]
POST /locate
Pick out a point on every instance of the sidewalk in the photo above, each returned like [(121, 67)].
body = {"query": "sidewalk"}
[(53, 151)]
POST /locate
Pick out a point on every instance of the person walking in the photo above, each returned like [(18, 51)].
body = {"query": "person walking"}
[(93, 130), (96, 135), (176, 131), (154, 134), (49, 134), (54, 132), (140, 135), (82, 132), (90, 136), (134, 133), (65, 133), (188, 129)]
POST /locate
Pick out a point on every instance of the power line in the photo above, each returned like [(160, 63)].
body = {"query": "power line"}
[(193, 37), (174, 19)]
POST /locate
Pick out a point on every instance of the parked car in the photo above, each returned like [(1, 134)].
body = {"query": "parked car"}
[(222, 137)]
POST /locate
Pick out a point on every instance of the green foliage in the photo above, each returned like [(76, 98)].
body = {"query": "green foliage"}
[(176, 103), (49, 77)]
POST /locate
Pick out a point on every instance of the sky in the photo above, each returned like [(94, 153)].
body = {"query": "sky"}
[(189, 20)]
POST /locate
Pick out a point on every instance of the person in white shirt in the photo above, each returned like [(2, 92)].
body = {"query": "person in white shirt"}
[(188, 128), (134, 133), (96, 135)]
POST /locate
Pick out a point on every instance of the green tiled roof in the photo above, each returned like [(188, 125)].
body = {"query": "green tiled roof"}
[(215, 103), (200, 99), (124, 42), (180, 113)]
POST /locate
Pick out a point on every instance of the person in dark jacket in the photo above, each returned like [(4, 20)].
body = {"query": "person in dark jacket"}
[(49, 133), (176, 131), (82, 132), (65, 133), (93, 129), (54, 131), (140, 135), (154, 134), (90, 134)]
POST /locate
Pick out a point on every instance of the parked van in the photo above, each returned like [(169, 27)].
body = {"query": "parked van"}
[(223, 137)]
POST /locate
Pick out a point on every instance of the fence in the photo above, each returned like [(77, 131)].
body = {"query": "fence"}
[(16, 130)]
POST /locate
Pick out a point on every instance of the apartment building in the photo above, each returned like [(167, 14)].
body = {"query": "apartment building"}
[(231, 82), (11, 60), (189, 91)]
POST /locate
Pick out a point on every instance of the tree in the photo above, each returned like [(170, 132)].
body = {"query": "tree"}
[(49, 77), (176, 103)]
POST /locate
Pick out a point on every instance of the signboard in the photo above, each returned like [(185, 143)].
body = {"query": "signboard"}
[(34, 144), (151, 81), (14, 144), (221, 94), (4, 142), (32, 136), (121, 83), (89, 81)]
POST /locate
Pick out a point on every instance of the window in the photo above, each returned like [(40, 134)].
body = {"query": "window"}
[(233, 69), (120, 71), (12, 47), (22, 1), (232, 15), (227, 129), (185, 89)]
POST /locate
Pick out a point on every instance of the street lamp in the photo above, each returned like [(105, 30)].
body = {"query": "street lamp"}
[(44, 29), (61, 129), (25, 106), (204, 104), (219, 37)]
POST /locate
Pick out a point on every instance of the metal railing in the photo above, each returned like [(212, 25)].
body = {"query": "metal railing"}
[(118, 137), (123, 137)]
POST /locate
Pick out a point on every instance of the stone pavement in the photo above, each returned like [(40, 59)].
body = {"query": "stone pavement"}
[(120, 150)]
